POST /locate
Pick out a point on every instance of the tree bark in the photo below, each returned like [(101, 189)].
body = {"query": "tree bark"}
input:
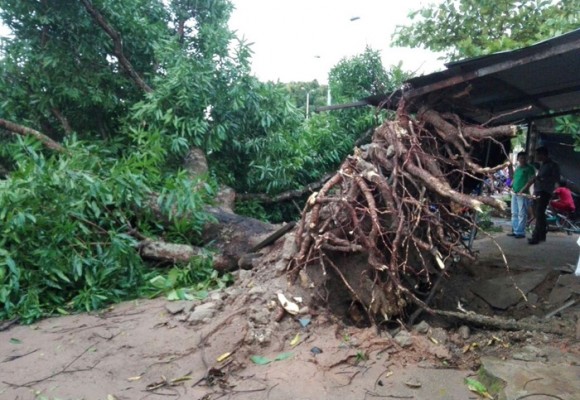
[(118, 43), (505, 324), (63, 120), (285, 196), (180, 253), (25, 131)]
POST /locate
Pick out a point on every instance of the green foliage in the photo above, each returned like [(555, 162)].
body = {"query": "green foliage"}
[(190, 282), (569, 124), (60, 62), (253, 209), (359, 76), (69, 220), (316, 93), (470, 28), (66, 223)]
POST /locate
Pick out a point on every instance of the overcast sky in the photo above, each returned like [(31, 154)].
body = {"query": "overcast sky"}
[(300, 40)]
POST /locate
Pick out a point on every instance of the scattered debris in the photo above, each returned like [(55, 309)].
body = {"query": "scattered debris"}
[(404, 339), (422, 327), (224, 356), (559, 309), (259, 360), (295, 341), (413, 383), (289, 306), (464, 332)]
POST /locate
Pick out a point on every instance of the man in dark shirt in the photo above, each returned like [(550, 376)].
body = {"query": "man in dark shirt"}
[(544, 183)]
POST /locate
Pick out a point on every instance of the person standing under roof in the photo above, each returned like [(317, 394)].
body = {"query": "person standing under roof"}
[(544, 183), (520, 201)]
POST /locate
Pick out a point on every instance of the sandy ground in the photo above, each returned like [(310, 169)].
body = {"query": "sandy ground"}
[(148, 349)]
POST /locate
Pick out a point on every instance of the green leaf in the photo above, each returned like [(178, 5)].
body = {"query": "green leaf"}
[(283, 356), (159, 282), (259, 360), (477, 387), (15, 341)]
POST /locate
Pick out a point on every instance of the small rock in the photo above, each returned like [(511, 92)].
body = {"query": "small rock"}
[(464, 332), (216, 296), (422, 327), (175, 307), (244, 274), (524, 357), (262, 336), (233, 291), (532, 298), (198, 316), (439, 351), (261, 317), (529, 353), (210, 305), (201, 312), (257, 290), (280, 265), (440, 335), (288, 250), (413, 383), (404, 339), (189, 307), (534, 350)]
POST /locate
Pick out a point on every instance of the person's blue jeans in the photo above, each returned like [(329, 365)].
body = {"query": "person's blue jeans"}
[(519, 214)]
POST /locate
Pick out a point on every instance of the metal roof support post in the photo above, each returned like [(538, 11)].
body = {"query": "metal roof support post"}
[(528, 134)]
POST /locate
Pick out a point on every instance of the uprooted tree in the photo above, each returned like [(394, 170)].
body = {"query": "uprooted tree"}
[(395, 213)]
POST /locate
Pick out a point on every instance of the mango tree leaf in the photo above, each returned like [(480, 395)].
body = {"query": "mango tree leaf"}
[(260, 360), (477, 387), (283, 356)]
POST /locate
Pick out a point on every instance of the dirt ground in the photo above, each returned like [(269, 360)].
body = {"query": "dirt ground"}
[(155, 349)]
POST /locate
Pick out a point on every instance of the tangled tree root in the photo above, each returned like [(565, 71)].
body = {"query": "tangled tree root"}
[(402, 203)]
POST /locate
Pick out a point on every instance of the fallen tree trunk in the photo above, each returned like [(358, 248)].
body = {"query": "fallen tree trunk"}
[(180, 253), (227, 239), (396, 211)]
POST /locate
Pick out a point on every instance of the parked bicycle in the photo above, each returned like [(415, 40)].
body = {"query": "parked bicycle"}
[(557, 222)]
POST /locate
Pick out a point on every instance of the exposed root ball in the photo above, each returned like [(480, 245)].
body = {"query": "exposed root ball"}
[(402, 203)]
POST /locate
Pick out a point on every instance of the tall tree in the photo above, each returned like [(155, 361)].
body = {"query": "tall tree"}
[(469, 28)]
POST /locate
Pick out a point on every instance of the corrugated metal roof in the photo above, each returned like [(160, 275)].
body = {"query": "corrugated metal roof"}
[(509, 86)]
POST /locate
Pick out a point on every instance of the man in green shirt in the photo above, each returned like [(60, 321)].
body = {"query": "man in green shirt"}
[(522, 175)]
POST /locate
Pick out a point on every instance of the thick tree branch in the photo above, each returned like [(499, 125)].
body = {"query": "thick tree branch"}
[(118, 43), (63, 120), (285, 196), (25, 131)]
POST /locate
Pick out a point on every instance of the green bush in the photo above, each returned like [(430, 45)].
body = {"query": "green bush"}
[(67, 224)]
